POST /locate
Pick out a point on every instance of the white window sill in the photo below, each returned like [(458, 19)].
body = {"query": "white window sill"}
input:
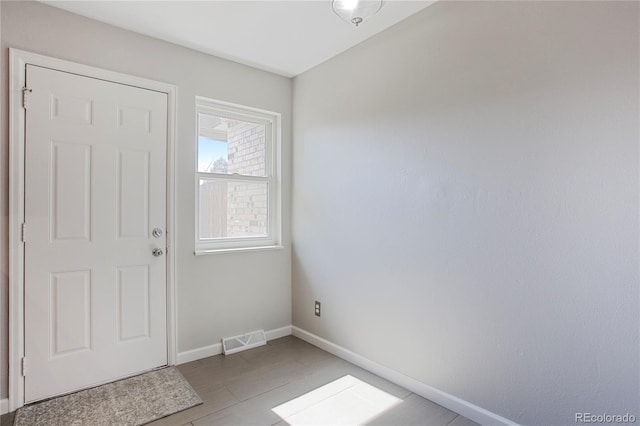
[(202, 252)]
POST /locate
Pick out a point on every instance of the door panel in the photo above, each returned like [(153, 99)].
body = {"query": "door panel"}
[(133, 194), (70, 322), (133, 302), (95, 187), (70, 191)]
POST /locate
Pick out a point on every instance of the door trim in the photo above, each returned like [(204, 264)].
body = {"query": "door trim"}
[(18, 60)]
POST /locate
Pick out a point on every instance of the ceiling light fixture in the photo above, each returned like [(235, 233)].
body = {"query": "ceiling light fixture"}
[(356, 11)]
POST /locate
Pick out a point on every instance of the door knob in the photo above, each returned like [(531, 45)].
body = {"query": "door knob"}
[(157, 252)]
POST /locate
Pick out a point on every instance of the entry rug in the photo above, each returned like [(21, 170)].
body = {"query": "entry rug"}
[(128, 402)]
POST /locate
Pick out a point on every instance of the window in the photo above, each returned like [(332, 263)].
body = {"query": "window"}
[(237, 179)]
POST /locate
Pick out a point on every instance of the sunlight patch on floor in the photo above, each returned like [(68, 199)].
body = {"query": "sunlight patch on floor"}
[(346, 401)]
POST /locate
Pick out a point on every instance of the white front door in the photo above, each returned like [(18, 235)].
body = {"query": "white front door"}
[(95, 190)]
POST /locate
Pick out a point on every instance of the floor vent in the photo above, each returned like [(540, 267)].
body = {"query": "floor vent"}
[(231, 345)]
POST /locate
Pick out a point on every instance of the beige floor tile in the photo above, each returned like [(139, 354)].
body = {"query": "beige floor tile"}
[(462, 421), (243, 388), (213, 401), (415, 410), (7, 419)]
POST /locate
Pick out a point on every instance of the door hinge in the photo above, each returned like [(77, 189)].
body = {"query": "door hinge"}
[(24, 366), (23, 233), (25, 92)]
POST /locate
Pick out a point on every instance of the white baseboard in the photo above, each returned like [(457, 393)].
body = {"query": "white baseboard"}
[(199, 353), (4, 406), (216, 349), (460, 406), (278, 332)]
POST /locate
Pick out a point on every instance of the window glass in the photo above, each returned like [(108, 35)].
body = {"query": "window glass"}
[(229, 146), (237, 192), (233, 209), (213, 155)]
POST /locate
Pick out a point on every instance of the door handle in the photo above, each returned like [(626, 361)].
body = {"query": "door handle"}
[(157, 252)]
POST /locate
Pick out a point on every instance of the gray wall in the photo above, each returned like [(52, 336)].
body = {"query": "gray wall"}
[(218, 295), (466, 204)]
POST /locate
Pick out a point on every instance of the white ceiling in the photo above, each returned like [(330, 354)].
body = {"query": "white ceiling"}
[(285, 37)]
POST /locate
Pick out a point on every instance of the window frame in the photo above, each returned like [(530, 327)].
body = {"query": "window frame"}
[(272, 122)]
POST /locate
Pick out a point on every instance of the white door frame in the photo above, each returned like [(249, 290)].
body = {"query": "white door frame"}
[(18, 61)]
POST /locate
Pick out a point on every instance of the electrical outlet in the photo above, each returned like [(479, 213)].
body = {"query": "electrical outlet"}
[(317, 308)]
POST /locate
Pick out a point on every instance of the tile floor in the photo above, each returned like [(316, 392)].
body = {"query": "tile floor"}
[(242, 389)]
